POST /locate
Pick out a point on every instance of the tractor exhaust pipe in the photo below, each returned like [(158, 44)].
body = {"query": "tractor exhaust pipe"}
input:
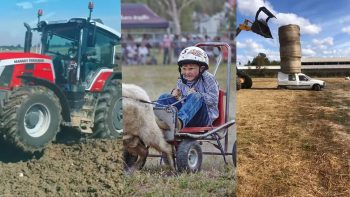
[(28, 38)]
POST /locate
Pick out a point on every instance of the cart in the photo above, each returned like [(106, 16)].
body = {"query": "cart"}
[(187, 141)]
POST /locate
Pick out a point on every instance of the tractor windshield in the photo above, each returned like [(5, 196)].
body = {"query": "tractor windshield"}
[(61, 41)]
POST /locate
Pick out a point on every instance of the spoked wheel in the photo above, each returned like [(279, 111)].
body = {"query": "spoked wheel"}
[(189, 156)]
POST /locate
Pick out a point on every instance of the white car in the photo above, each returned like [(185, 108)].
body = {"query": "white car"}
[(299, 81)]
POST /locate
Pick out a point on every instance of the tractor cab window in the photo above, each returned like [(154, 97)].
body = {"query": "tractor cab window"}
[(61, 42), (101, 55), (59, 46)]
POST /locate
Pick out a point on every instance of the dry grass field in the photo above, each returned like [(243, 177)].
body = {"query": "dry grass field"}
[(294, 142), (290, 143)]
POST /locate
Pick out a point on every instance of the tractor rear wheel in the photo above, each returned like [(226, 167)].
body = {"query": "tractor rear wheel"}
[(31, 118), (109, 113), (247, 82), (189, 156)]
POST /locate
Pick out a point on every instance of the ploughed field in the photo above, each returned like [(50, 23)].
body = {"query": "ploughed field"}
[(65, 168)]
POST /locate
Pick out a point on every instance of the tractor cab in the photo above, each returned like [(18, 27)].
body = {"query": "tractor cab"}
[(79, 49), (82, 52)]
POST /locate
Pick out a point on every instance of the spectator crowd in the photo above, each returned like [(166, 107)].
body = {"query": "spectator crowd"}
[(145, 51)]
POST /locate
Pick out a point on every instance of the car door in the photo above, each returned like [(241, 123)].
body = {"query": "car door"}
[(292, 81), (303, 82)]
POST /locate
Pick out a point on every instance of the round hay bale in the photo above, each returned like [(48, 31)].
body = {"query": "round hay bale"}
[(290, 65), (289, 33), (290, 48)]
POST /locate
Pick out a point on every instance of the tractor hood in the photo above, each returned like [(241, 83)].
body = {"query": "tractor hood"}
[(21, 57)]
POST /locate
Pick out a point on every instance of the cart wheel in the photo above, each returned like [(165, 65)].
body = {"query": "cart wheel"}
[(234, 155), (130, 161), (189, 156)]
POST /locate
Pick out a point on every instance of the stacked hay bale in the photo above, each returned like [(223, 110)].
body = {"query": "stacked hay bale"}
[(290, 49)]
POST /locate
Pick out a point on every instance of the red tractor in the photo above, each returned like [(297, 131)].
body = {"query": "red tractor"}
[(72, 82)]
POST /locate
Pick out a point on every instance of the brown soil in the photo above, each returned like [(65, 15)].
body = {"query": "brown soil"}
[(293, 142), (85, 168)]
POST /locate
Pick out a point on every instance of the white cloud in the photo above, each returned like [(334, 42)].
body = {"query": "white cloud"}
[(251, 45), (249, 49), (308, 52), (25, 5), (306, 27), (249, 8), (346, 29), (324, 42), (329, 52)]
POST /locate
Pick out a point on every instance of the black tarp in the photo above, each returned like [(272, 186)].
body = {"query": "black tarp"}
[(140, 16)]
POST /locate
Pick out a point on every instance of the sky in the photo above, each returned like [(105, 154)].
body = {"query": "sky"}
[(13, 13), (324, 27)]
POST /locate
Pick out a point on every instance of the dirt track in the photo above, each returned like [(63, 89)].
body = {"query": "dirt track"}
[(87, 168), (294, 142)]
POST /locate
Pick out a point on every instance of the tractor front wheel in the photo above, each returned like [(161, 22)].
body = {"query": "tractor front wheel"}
[(31, 118)]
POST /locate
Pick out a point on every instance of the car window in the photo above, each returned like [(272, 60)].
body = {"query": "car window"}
[(302, 78), (291, 77)]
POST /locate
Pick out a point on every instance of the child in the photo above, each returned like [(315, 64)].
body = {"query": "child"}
[(198, 87)]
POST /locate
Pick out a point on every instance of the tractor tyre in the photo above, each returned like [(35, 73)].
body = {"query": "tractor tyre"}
[(108, 121), (31, 118), (189, 156), (247, 82), (245, 79), (130, 160)]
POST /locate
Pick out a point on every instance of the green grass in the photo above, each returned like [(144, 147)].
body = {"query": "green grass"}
[(157, 181)]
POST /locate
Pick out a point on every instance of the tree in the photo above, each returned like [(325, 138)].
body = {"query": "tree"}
[(260, 60), (180, 11), (275, 63), (174, 9)]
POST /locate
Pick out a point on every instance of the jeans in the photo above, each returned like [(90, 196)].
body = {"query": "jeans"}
[(192, 112)]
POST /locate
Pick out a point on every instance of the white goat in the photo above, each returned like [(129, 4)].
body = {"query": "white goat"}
[(140, 126)]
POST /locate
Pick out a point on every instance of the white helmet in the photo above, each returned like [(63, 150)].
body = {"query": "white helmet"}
[(193, 55)]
